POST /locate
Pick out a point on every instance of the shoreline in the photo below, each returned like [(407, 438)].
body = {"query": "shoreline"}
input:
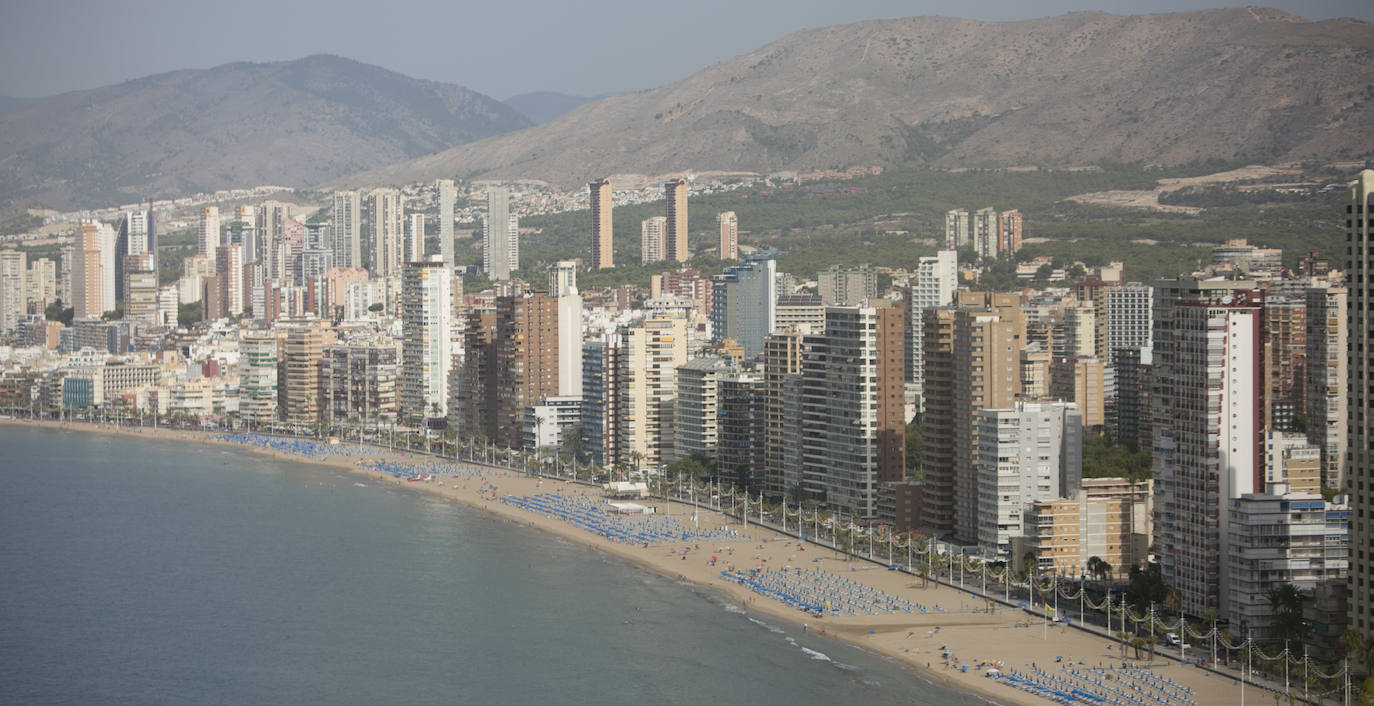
[(970, 633)]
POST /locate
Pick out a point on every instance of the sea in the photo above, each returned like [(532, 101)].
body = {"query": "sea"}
[(143, 571)]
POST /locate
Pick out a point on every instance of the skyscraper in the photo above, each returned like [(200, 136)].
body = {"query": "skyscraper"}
[(229, 270), (258, 378), (269, 227), (1009, 233), (501, 236), (388, 231), (13, 291), (957, 230), (985, 232), (744, 304), (652, 350), (512, 361), (346, 228), (88, 301), (972, 354), (675, 229), (209, 232), (426, 307), (415, 238), (1208, 412), (563, 287), (728, 224), (852, 407), (299, 371), (651, 239), (602, 255), (1360, 465), (936, 279), (447, 196), (1327, 363)]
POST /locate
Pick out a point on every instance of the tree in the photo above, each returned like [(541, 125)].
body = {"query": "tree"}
[(57, 312), (1285, 605), (915, 450), (1146, 586), (1099, 568)]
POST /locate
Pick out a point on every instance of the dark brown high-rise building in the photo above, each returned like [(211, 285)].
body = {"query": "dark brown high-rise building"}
[(600, 192), (675, 232), (511, 362)]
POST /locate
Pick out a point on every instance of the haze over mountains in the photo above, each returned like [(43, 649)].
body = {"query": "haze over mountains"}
[(294, 123), (1243, 84), (543, 106)]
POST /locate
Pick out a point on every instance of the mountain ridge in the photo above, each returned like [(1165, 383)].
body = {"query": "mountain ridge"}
[(1079, 88), (294, 123)]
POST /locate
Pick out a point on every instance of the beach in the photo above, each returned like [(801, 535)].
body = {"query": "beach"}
[(961, 625)]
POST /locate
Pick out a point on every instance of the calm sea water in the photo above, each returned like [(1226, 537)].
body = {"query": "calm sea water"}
[(138, 571)]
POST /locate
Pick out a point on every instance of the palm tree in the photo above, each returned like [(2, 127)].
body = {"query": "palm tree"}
[(1285, 604)]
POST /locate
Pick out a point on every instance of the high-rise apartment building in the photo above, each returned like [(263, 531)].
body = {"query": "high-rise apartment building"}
[(1327, 368), (697, 410), (209, 232), (1285, 358), (387, 210), (782, 359), (602, 255), (299, 371), (651, 239), (563, 287), (744, 305), (1009, 233), (358, 382), (652, 352), (847, 286), (87, 278), (602, 368), (511, 358), (1030, 452), (271, 215), (501, 236), (728, 225), (957, 233), (739, 428), (258, 378), (447, 196), (13, 290), (936, 279), (853, 407), (985, 232), (1360, 461), (346, 230), (1207, 394), (675, 229), (229, 273), (414, 250), (972, 360), (426, 308)]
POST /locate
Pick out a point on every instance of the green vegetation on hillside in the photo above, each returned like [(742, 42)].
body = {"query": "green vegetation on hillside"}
[(895, 218)]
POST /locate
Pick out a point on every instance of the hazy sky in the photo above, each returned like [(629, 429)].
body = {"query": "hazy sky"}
[(498, 47)]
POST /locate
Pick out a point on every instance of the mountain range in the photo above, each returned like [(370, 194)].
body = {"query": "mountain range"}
[(1245, 84), (294, 123)]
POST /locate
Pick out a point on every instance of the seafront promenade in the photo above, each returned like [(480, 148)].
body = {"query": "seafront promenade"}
[(958, 637)]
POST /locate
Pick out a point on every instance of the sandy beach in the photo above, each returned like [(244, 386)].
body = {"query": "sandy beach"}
[(963, 624)]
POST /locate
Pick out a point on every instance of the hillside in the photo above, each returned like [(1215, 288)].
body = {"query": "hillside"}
[(1244, 84), (294, 123), (543, 106)]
